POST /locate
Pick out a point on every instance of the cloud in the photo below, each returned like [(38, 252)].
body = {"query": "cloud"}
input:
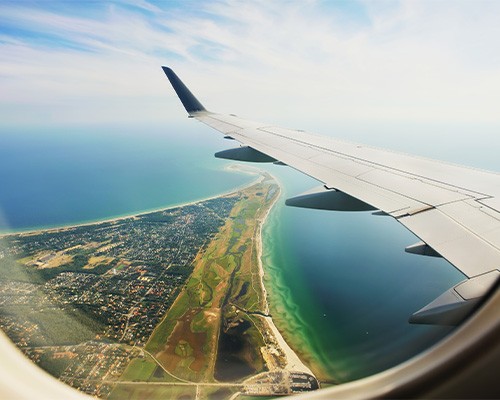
[(293, 61)]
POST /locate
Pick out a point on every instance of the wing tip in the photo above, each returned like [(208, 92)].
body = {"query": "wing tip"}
[(190, 102)]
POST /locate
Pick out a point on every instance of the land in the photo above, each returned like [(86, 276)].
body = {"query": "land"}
[(167, 304)]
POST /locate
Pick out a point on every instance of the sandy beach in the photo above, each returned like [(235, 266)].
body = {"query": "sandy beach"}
[(293, 362)]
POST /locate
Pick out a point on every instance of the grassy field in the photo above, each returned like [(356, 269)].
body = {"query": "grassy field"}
[(152, 392), (139, 370), (225, 275)]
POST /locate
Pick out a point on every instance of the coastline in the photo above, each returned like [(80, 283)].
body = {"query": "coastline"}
[(292, 334), (231, 167), (293, 361)]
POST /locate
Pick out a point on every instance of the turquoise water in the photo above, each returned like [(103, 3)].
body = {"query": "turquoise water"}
[(348, 286), (341, 286)]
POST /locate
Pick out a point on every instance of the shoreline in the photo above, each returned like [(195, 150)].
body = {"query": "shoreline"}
[(293, 361), (236, 167)]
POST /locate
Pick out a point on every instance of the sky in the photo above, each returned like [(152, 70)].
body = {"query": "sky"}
[(341, 66)]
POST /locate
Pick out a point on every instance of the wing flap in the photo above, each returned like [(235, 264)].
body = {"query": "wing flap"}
[(462, 244)]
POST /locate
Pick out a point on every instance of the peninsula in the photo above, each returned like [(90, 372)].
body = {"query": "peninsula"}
[(164, 304)]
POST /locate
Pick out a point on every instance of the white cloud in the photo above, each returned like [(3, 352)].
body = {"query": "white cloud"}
[(283, 61)]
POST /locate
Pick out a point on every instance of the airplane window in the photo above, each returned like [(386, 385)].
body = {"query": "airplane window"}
[(145, 255)]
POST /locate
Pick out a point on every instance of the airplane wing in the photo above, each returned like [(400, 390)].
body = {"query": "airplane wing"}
[(454, 210)]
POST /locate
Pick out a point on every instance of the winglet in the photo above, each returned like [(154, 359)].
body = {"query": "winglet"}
[(191, 103)]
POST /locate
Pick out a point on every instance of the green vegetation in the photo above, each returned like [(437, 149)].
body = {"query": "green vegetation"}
[(152, 392), (181, 270), (183, 349), (199, 323), (165, 327), (12, 270), (54, 366), (218, 393), (56, 326), (159, 375), (225, 273), (145, 369), (72, 295), (139, 369)]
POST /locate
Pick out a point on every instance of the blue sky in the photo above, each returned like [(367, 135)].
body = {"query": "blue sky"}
[(307, 64)]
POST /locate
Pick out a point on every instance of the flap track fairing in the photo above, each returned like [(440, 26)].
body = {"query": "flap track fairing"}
[(422, 249), (245, 153), (328, 199), (457, 303)]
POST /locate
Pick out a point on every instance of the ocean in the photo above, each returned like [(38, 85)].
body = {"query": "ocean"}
[(341, 286), (345, 283), (66, 176)]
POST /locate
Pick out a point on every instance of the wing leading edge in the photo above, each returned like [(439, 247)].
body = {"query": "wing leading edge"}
[(454, 210)]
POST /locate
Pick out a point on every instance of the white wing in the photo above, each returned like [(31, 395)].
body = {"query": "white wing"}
[(454, 210)]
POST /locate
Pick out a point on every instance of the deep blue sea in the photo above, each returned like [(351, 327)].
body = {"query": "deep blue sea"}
[(341, 286), (66, 176)]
